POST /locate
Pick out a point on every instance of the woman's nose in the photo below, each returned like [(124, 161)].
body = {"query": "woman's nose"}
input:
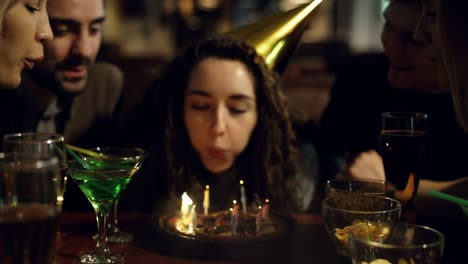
[(44, 31), (219, 122)]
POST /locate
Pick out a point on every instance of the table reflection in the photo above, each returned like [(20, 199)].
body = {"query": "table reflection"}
[(309, 243)]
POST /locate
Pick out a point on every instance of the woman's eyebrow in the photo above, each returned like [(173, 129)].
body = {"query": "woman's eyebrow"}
[(197, 92), (231, 97), (241, 97)]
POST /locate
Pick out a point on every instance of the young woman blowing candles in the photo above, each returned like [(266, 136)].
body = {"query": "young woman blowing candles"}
[(222, 118)]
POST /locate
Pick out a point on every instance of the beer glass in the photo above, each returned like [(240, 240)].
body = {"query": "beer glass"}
[(29, 209), (39, 146), (403, 140)]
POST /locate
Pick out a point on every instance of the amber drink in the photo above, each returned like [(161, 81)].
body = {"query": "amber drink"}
[(29, 210), (27, 233), (403, 141)]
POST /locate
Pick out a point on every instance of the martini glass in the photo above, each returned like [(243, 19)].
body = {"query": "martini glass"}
[(114, 234), (102, 179)]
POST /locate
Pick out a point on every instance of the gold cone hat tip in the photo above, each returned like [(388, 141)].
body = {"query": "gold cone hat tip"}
[(276, 36)]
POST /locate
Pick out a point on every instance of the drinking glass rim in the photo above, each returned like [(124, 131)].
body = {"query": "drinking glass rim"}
[(97, 169), (385, 182), (397, 208), (52, 137), (439, 234), (141, 152), (404, 114)]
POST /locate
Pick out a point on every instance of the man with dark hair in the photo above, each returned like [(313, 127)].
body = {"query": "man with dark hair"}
[(69, 93)]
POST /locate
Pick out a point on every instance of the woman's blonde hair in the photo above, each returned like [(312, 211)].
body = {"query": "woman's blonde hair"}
[(453, 38), (4, 5)]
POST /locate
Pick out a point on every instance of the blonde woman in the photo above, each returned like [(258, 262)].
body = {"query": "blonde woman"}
[(444, 41), (24, 27), (443, 33)]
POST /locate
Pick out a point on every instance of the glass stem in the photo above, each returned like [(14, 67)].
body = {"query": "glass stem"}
[(102, 215), (114, 223)]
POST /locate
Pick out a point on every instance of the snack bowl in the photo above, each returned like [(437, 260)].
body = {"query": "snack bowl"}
[(402, 243), (341, 213)]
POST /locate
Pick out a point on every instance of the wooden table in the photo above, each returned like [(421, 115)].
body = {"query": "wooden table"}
[(309, 244), (309, 240)]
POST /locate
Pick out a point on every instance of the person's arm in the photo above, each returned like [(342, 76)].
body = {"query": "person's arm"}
[(369, 165), (458, 187), (432, 206)]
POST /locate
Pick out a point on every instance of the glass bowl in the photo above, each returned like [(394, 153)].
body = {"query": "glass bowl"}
[(341, 213), (395, 243), (350, 186)]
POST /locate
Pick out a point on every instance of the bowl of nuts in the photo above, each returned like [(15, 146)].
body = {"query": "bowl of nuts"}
[(402, 243), (341, 213)]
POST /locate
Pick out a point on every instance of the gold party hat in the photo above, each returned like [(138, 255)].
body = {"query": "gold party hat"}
[(275, 37)]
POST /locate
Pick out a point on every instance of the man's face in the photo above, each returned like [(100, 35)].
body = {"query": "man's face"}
[(408, 68), (76, 25)]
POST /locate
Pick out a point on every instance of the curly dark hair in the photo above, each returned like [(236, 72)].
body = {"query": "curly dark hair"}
[(270, 154)]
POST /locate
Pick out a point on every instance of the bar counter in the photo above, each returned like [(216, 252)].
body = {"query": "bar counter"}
[(309, 242)]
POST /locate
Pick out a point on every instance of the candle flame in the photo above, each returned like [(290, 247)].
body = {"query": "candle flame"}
[(230, 209), (207, 187), (241, 182), (186, 199), (234, 202), (267, 200)]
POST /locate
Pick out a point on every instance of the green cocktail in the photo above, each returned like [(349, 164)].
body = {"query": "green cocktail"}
[(102, 180), (123, 158), (102, 189)]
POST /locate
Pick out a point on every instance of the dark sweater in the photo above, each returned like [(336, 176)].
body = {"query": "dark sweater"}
[(351, 122)]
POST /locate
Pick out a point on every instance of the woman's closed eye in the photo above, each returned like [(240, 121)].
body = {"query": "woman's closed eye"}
[(238, 109), (200, 106), (31, 8)]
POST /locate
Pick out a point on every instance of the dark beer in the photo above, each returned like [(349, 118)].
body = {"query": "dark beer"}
[(403, 154), (28, 234)]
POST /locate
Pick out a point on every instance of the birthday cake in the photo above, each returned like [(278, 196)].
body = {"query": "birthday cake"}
[(218, 226), (214, 237), (252, 233)]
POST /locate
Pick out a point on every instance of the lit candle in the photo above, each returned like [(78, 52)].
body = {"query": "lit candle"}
[(185, 210), (234, 217), (235, 207), (258, 219), (206, 199), (243, 197), (193, 216), (266, 209)]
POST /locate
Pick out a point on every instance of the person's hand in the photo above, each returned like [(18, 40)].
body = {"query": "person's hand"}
[(367, 165)]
